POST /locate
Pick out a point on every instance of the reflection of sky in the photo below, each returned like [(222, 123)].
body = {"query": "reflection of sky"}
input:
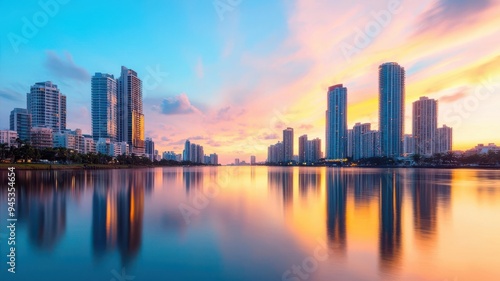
[(390, 222)]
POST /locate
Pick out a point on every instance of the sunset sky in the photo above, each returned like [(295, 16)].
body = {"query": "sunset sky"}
[(231, 75)]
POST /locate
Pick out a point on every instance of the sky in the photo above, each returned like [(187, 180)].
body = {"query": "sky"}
[(232, 74)]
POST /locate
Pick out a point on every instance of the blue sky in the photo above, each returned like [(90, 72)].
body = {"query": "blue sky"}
[(232, 80)]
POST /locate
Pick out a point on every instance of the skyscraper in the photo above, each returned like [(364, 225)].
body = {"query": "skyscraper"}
[(187, 151), (149, 148), (130, 116), (302, 148), (288, 144), (336, 122), (444, 139), (391, 108), (357, 145), (20, 121), (424, 126), (47, 106), (104, 106)]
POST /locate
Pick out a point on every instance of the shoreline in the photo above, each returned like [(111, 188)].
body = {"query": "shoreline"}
[(51, 167)]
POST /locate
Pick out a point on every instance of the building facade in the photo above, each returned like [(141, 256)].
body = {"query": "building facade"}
[(104, 106), (20, 121), (424, 126), (357, 143), (288, 144), (130, 111), (444, 139), (391, 108), (47, 106), (336, 123), (41, 137)]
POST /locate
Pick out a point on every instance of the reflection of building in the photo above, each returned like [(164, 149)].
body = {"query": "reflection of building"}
[(309, 181), (336, 197), (130, 216), (193, 178), (427, 195), (366, 187), (390, 219), (47, 218), (104, 219), (282, 181)]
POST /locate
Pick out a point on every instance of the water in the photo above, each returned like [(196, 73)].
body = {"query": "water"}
[(255, 223)]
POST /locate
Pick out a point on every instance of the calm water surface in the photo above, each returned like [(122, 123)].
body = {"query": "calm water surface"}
[(255, 223)]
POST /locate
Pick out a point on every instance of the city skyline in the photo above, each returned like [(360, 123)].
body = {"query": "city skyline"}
[(192, 91)]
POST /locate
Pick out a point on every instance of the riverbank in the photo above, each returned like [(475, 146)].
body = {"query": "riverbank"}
[(43, 166)]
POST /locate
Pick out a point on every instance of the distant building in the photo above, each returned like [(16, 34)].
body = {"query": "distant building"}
[(350, 142), (20, 121), (444, 139), (336, 122), (89, 145), (47, 106), (214, 159), (357, 145), (288, 144), (391, 108), (483, 149), (105, 146), (313, 150), (302, 148), (275, 153), (8, 137), (187, 150), (69, 139), (371, 144), (424, 126), (104, 106), (41, 137), (236, 161), (252, 160), (121, 148), (409, 145), (150, 148)]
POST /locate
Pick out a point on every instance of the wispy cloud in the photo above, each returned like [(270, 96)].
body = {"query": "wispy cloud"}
[(65, 67), (10, 95), (452, 98)]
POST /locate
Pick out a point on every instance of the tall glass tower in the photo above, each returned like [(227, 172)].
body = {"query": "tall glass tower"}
[(104, 103), (391, 108), (130, 114), (47, 106), (336, 123)]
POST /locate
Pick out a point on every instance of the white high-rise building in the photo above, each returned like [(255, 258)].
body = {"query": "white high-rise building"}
[(444, 139), (104, 106), (424, 126), (47, 106)]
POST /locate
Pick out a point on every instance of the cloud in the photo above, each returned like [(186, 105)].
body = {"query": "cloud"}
[(65, 67), (452, 98), (306, 126), (269, 136), (178, 105), (10, 95), (452, 12)]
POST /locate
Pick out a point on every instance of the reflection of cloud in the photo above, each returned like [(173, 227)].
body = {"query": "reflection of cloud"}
[(65, 67), (452, 98), (178, 105)]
